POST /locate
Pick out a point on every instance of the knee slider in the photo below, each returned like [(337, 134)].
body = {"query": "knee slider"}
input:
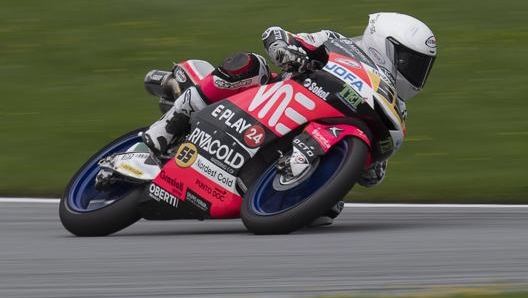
[(246, 69)]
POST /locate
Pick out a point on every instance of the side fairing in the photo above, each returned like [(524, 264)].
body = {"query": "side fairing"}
[(225, 135), (369, 92), (284, 106)]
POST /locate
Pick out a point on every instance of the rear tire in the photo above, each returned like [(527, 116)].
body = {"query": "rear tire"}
[(266, 210), (85, 211)]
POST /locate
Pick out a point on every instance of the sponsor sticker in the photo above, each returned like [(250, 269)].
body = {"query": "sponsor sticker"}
[(177, 186), (216, 148), (186, 155), (161, 195), (285, 96), (350, 96), (353, 50), (230, 118), (387, 75), (344, 74), (133, 170), (132, 155), (180, 76), (276, 33), (197, 201), (283, 106), (377, 55), (315, 89), (335, 131), (215, 173), (349, 62), (321, 139), (223, 84), (186, 106), (431, 42), (216, 192), (254, 136), (307, 150), (240, 123)]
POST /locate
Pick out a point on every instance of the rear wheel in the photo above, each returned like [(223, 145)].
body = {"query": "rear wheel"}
[(85, 211), (271, 208)]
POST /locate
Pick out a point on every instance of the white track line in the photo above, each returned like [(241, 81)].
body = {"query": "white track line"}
[(403, 205), (348, 205), (28, 200)]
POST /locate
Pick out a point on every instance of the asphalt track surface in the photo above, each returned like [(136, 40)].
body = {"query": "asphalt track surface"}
[(368, 250)]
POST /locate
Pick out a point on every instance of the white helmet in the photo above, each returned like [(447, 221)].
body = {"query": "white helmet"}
[(403, 45)]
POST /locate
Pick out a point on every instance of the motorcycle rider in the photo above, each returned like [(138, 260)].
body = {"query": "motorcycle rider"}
[(398, 43)]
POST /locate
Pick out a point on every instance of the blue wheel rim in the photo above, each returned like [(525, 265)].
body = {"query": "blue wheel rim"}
[(82, 195), (266, 201)]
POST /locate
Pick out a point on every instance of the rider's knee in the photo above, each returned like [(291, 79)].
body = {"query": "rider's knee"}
[(237, 73), (242, 70)]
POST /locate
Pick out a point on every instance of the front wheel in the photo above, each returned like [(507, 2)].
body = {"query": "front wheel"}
[(269, 209), (85, 211)]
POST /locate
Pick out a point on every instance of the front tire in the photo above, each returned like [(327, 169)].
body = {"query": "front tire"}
[(85, 211), (267, 210)]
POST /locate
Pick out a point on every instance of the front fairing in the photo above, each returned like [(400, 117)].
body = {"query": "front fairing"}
[(367, 92)]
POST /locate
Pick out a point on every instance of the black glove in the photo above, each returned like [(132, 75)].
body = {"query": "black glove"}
[(289, 58)]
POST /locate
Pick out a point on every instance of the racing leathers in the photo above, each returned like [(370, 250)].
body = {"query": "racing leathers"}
[(236, 74), (291, 52)]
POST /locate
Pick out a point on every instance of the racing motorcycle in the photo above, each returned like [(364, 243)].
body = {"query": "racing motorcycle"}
[(234, 161)]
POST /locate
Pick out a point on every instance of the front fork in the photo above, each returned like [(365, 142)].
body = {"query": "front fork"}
[(314, 141)]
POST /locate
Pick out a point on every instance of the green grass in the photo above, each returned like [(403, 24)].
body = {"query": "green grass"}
[(460, 295), (71, 80), (463, 294)]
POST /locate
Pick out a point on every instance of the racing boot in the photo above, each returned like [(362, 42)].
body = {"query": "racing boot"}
[(174, 123), (328, 217), (374, 174), (162, 132), (162, 84)]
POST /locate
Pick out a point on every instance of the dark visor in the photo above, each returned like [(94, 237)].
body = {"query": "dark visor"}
[(414, 66)]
